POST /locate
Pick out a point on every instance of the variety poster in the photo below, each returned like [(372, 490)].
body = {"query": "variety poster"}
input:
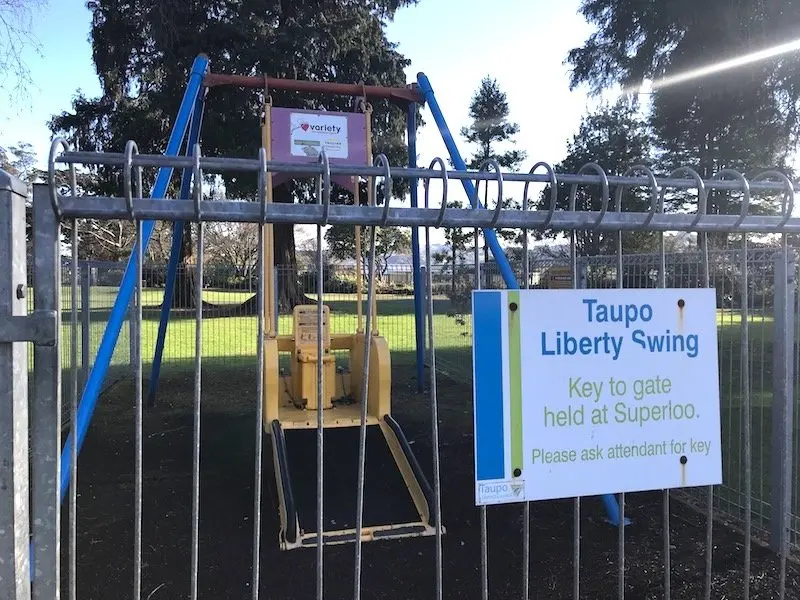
[(299, 136), (310, 133)]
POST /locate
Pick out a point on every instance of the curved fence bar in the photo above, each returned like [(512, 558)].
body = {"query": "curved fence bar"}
[(221, 164)]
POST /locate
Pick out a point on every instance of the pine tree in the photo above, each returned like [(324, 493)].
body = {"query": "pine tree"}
[(489, 129)]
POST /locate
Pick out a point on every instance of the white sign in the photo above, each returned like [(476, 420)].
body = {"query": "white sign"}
[(310, 133), (590, 392)]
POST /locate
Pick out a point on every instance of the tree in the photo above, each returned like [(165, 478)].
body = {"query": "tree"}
[(20, 160), (490, 127), (144, 48), (233, 245), (389, 241), (745, 118), (16, 20), (617, 139), (457, 239)]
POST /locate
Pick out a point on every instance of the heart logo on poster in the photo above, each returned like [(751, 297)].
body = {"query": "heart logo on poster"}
[(304, 126)]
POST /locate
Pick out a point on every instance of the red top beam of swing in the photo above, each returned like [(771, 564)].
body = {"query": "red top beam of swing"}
[(401, 95)]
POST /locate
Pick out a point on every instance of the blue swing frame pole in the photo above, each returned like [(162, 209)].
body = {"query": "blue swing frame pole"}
[(94, 382), (174, 255), (419, 317), (609, 501)]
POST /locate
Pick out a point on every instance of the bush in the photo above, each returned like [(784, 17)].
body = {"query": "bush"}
[(395, 289), (460, 300), (339, 284)]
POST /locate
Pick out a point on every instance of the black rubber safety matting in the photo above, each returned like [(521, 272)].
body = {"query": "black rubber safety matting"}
[(387, 500)]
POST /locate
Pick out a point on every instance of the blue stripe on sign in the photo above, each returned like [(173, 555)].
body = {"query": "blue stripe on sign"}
[(488, 367)]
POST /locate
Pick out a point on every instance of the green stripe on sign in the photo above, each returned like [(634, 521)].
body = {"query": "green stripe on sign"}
[(515, 381)]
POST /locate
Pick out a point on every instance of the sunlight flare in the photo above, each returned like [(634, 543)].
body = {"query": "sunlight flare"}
[(649, 87)]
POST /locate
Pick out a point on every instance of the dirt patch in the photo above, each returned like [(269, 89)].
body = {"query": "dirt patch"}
[(397, 569)]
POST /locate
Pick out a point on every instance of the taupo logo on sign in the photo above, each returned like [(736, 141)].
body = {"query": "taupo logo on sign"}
[(501, 491)]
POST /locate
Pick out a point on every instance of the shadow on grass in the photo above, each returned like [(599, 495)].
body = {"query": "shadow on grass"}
[(387, 306)]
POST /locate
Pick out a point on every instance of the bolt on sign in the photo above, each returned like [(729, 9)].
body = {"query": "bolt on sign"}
[(615, 391)]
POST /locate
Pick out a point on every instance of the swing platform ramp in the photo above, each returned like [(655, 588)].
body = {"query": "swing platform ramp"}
[(398, 499)]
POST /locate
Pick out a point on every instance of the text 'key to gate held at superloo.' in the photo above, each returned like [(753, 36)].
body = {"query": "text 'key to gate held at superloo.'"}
[(590, 392)]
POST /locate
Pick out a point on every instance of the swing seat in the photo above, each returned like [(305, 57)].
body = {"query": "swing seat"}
[(398, 498), (306, 358)]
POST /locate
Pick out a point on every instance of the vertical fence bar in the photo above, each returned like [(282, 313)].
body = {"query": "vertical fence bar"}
[(138, 433), (136, 337), (794, 517), (526, 507), (86, 320), (362, 440), (197, 180), (576, 507), (14, 477), (73, 411), (482, 509), (263, 272), (621, 523), (437, 483), (323, 197), (747, 434), (662, 283), (45, 409), (702, 199), (783, 405), (437, 480)]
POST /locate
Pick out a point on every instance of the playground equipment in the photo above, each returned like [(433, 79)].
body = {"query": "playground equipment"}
[(401, 505), (281, 410)]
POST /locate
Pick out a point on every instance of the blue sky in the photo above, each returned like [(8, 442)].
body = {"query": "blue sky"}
[(521, 43), (62, 66)]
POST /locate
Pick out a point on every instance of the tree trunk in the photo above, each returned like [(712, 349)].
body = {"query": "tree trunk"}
[(183, 296), (290, 292)]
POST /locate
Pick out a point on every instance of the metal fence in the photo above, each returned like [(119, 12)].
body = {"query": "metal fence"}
[(230, 304), (684, 270), (477, 557)]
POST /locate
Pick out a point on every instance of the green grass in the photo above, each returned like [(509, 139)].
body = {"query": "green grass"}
[(235, 336)]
